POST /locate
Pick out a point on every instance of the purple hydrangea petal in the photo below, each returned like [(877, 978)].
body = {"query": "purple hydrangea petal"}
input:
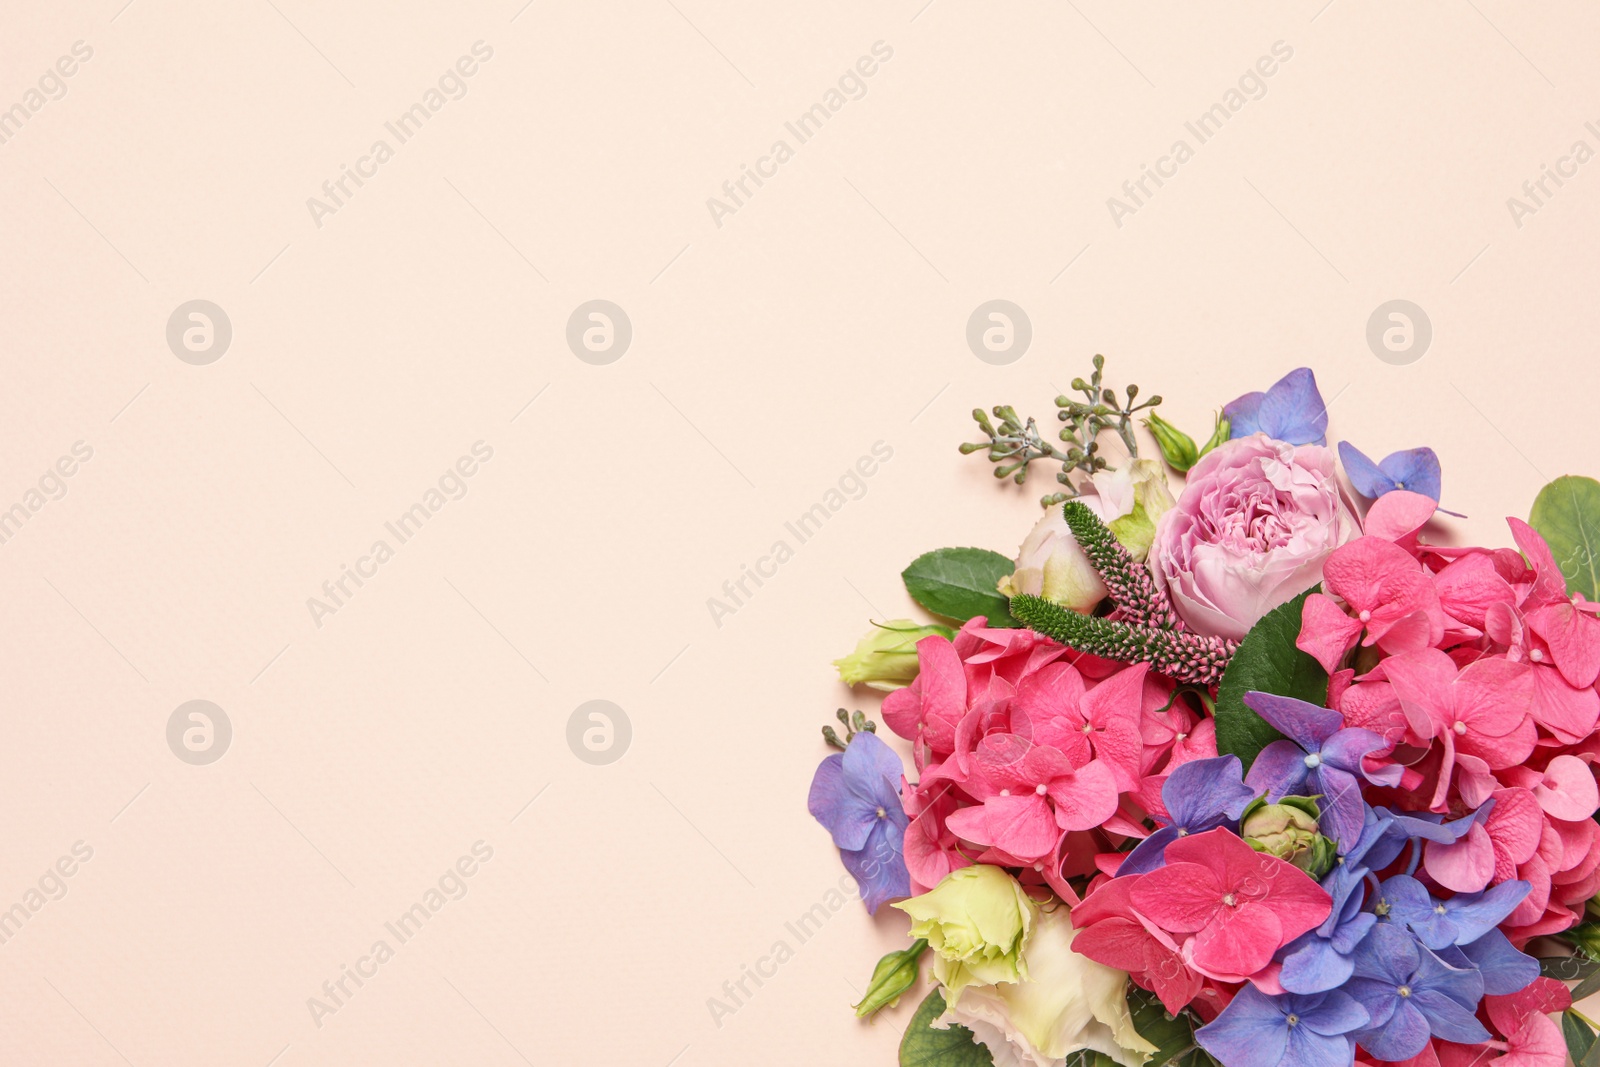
[(1147, 854), (1199, 794), (1367, 477), (1243, 415), (1475, 914), (873, 769), (879, 869), (1305, 724), (1403, 1036), (1310, 1049), (1331, 1014), (1409, 902), (1448, 1019), (1387, 954), (1279, 770), (1251, 1031), (1314, 967), (846, 814), (1462, 985), (1504, 969), (1347, 748), (1415, 469), (1351, 933), (1343, 812), (1293, 411)]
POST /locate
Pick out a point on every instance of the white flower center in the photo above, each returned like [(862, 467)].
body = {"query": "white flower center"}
[(1404, 991), (1365, 616), (1537, 655), (1314, 760), (1294, 1020), (1229, 899), (1460, 727), (1039, 789), (882, 813), (1005, 792)]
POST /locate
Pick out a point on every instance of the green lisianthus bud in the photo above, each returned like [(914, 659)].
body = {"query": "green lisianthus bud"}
[(886, 658), (1177, 447), (894, 974), (1288, 830)]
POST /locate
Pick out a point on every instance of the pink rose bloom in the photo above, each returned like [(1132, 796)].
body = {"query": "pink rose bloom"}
[(1256, 520)]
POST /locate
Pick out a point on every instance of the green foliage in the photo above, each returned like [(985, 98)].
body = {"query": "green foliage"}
[(1172, 1035), (1580, 1038), (923, 1046), (1016, 443), (1267, 662), (959, 584), (1567, 515)]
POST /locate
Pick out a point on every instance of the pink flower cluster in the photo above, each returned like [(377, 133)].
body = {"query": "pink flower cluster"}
[(1479, 672), (1033, 757)]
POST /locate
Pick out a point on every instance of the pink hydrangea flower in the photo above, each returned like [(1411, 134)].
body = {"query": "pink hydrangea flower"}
[(1235, 905)]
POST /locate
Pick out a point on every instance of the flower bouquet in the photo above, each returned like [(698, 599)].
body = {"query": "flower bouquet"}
[(1256, 774)]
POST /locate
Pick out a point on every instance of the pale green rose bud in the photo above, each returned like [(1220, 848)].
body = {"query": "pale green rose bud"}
[(977, 921), (894, 974), (1288, 830), (886, 658), (1051, 565), (1177, 447)]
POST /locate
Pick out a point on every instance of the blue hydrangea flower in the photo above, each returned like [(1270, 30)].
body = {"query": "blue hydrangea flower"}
[(1292, 411), (1438, 924), (1321, 959), (1320, 757), (1415, 469), (1504, 969), (1199, 795), (1257, 1030), (1411, 994), (856, 796)]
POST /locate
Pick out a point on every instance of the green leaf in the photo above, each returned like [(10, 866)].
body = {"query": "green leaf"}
[(1172, 1035), (1567, 515), (1567, 968), (1588, 987), (923, 1046), (959, 583), (1088, 1057), (1580, 1039), (1267, 662)]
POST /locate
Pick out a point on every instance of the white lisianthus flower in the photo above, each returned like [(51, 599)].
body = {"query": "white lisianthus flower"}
[(1068, 1002)]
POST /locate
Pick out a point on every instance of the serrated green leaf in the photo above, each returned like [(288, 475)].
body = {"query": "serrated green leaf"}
[(1267, 662), (1567, 515), (1580, 1039), (959, 584), (923, 1046)]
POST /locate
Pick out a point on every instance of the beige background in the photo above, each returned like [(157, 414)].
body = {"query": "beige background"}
[(769, 353)]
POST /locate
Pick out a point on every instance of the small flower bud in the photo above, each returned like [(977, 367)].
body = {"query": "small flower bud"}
[(894, 974), (1220, 435), (1177, 447), (1288, 830), (886, 658)]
